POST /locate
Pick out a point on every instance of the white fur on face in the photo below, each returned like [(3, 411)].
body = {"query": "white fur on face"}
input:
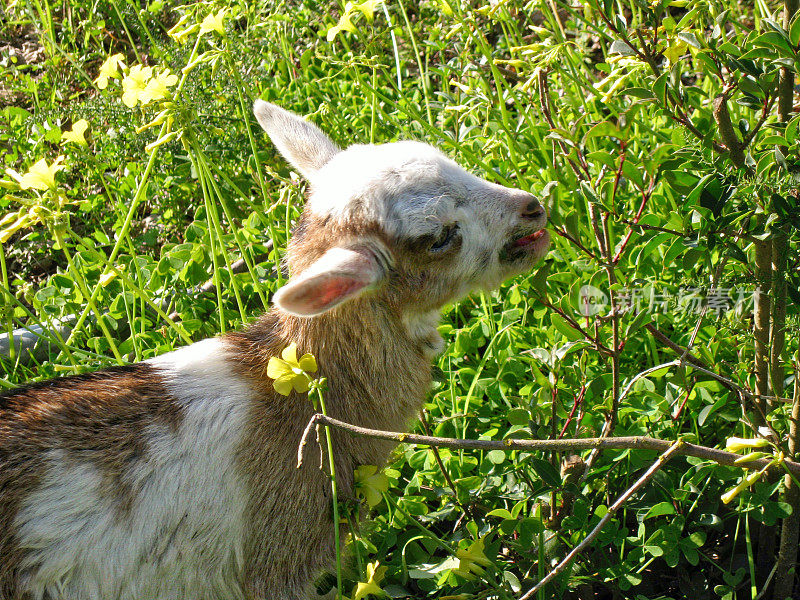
[(183, 535), (411, 189)]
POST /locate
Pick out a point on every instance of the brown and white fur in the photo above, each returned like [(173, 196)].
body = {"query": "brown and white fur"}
[(175, 478)]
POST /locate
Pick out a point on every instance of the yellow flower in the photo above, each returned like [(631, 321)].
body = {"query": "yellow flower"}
[(13, 222), (76, 135), (744, 483), (107, 278), (289, 373), (40, 176), (344, 24), (368, 7), (675, 49), (135, 84), (736, 444), (158, 87), (213, 23), (751, 457), (370, 484), (109, 70), (472, 560), (375, 574), (179, 34)]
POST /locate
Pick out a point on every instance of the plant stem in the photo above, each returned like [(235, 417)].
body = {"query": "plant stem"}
[(335, 495), (780, 250), (612, 510), (786, 82), (137, 198), (786, 572), (138, 291), (84, 288), (10, 315), (763, 269)]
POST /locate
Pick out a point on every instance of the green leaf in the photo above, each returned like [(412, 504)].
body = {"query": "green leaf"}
[(654, 550), (639, 92), (794, 30), (691, 39), (500, 512), (792, 129), (546, 471), (496, 457), (698, 538), (775, 40), (565, 328), (660, 88), (518, 416), (605, 129), (620, 47), (589, 193), (571, 347), (660, 509)]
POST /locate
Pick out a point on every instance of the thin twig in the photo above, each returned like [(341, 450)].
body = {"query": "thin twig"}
[(563, 233), (602, 348), (648, 475)]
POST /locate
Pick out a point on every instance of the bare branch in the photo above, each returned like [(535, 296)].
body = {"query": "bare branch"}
[(610, 443), (648, 475)]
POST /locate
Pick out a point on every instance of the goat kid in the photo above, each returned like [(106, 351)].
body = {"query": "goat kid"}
[(175, 478)]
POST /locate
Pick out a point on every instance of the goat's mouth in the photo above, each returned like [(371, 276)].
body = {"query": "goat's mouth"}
[(532, 244)]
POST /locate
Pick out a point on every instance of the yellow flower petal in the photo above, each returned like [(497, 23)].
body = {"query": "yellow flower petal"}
[(40, 176), (283, 385), (375, 575), (135, 84), (301, 383), (368, 7), (308, 363), (213, 22), (736, 444), (109, 70), (344, 24), (76, 135), (728, 496), (107, 278), (289, 354), (370, 484), (158, 87), (365, 471), (278, 368), (472, 560), (675, 50), (291, 372)]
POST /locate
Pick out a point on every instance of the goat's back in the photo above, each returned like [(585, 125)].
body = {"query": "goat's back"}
[(125, 483)]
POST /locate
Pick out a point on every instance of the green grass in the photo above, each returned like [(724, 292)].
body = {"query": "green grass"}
[(168, 196)]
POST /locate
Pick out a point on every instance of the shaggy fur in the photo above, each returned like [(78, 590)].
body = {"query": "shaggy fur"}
[(176, 478)]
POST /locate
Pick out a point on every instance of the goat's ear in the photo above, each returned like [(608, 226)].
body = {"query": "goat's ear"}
[(300, 142), (338, 275)]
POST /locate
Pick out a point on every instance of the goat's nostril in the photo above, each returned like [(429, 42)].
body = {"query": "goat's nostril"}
[(533, 210)]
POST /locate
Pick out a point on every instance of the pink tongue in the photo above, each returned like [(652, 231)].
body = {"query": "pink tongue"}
[(528, 239)]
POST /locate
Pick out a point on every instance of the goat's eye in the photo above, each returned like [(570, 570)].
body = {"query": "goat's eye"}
[(445, 239)]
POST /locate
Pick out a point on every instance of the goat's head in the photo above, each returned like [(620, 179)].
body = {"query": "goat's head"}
[(400, 221)]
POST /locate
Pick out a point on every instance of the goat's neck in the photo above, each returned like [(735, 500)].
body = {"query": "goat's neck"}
[(377, 372), (377, 364)]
